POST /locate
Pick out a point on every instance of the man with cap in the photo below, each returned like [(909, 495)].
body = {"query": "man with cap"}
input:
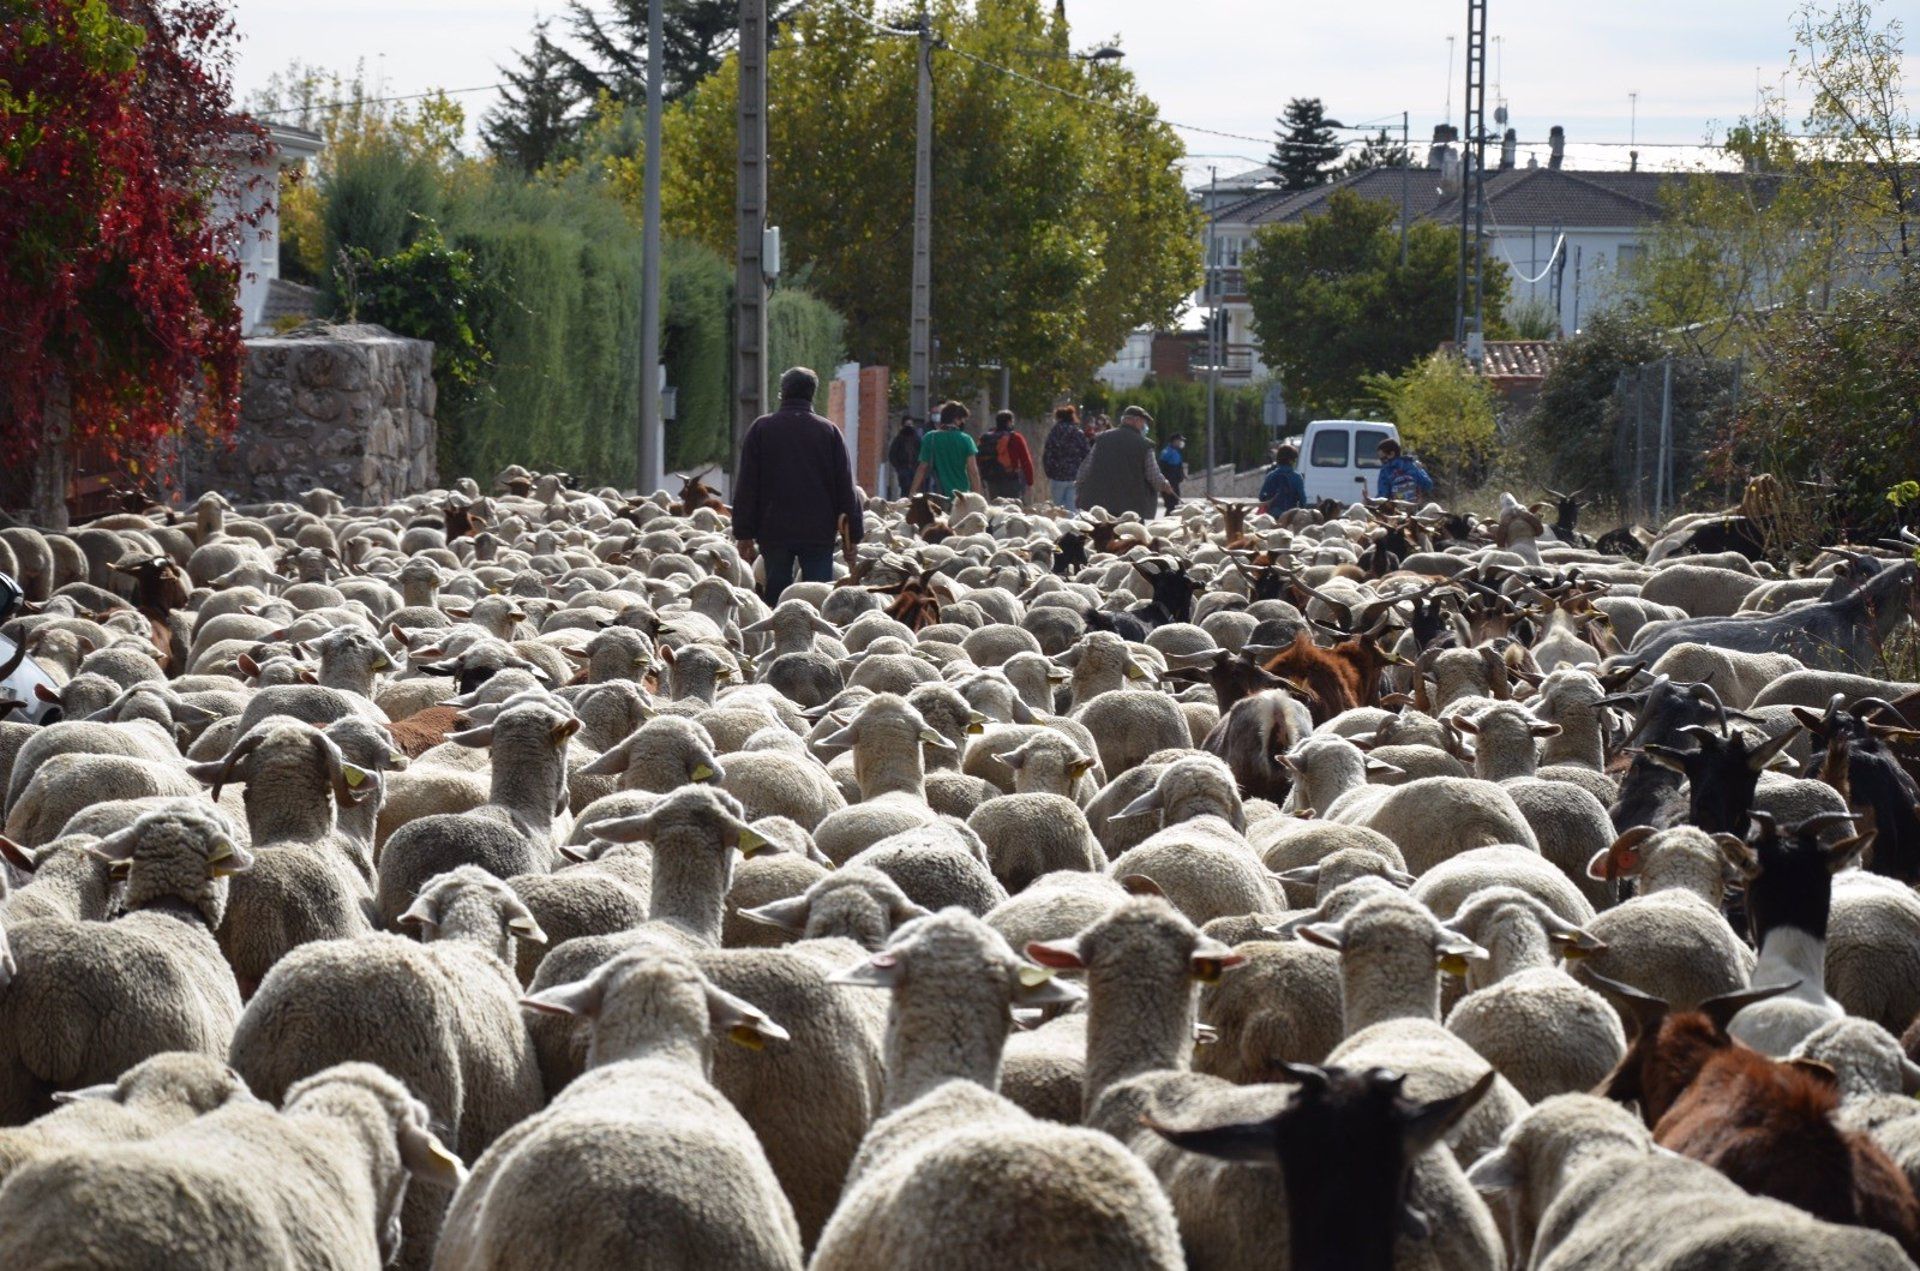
[(1121, 472)]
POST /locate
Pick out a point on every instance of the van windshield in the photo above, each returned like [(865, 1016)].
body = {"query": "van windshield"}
[(1329, 449), (1366, 447)]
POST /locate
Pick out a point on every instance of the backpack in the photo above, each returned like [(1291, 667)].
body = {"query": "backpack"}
[(992, 459)]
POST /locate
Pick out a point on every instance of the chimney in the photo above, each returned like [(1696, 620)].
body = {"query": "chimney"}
[(1556, 147), (1634, 155), (1442, 148), (1508, 145)]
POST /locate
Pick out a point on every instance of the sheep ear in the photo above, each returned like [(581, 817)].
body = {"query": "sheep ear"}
[(881, 971), (1815, 1068), (1146, 804), (1497, 1171), (1015, 758), (109, 1090), (478, 738), (1304, 875), (740, 1021), (1454, 951), (1039, 987), (423, 912), (1061, 955), (611, 763), (17, 856), (935, 740), (428, 1159), (1381, 768), (1248, 1141), (1423, 1125), (625, 829), (1327, 935), (788, 915), (1211, 959), (117, 846), (1463, 724), (523, 926), (1741, 861), (843, 737), (559, 733), (1622, 859), (1543, 730), (581, 998)]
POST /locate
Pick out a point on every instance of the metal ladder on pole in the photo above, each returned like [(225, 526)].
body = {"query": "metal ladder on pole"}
[(1467, 325)]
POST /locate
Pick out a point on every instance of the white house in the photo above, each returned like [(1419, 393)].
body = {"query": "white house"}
[(256, 189)]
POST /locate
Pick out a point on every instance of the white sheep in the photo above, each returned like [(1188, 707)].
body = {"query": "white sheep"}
[(654, 1163)]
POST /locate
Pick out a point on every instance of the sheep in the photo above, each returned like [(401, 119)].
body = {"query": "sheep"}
[(682, 1182), (1287, 845), (1028, 835), (1436, 818), (90, 999), (1737, 677), (318, 1183), (68, 881), (1281, 1007), (84, 737), (1006, 1187), (1128, 725), (441, 1016), (661, 755), (1054, 906), (1873, 948), (1865, 1058), (1588, 1190), (1546, 1033), (308, 882), (152, 1097), (66, 785), (938, 865), (1391, 949), (1669, 940), (886, 736), (770, 783), (858, 904), (1201, 860), (513, 833)]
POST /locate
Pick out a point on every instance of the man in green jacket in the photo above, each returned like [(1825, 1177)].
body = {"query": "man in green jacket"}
[(948, 454), (1121, 472)]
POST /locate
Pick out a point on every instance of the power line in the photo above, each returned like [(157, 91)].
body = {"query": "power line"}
[(376, 101)]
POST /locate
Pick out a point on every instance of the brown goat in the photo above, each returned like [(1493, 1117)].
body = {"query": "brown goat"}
[(424, 729), (1767, 1125), (1336, 679)]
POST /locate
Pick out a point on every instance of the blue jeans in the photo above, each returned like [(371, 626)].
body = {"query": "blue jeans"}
[(1061, 492), (815, 561)]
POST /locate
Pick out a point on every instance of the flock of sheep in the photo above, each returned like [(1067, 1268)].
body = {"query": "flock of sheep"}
[(495, 881)]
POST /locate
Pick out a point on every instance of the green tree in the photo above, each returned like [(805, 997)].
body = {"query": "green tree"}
[(1058, 224), (613, 61), (1570, 430), (1379, 151), (1817, 207), (536, 119), (1306, 148), (1332, 303)]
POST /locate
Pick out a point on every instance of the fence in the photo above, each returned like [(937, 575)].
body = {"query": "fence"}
[(1667, 416)]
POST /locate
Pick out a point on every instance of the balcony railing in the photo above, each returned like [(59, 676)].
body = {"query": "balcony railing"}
[(1224, 283), (1235, 359)]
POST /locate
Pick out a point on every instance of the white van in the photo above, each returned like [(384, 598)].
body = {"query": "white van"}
[(1339, 459)]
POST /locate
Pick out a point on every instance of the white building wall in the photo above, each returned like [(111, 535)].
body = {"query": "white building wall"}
[(1587, 282)]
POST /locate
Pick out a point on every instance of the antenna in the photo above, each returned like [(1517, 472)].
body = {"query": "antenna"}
[(1633, 124), (1447, 111), (1499, 72)]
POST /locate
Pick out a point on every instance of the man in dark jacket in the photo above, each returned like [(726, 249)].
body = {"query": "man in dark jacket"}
[(1284, 489), (793, 495), (1121, 473), (1065, 450)]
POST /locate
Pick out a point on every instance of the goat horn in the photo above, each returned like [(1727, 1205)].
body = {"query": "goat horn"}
[(1721, 1010), (1705, 691)]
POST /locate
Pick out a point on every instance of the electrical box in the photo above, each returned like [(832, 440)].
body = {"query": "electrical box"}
[(770, 251)]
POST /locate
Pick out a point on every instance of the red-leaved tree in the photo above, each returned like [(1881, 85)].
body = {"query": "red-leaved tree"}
[(119, 322)]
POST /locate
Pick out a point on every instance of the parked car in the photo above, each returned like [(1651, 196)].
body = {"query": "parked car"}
[(1338, 459), (19, 674)]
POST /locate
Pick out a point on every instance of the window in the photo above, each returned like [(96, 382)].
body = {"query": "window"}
[(1630, 258), (1366, 448), (1329, 449)]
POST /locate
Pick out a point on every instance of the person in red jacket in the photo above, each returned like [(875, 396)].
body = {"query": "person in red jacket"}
[(1006, 462)]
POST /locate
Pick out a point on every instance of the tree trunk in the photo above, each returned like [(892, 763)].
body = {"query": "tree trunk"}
[(53, 462)]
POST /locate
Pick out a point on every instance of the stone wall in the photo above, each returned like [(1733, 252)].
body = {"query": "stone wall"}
[(349, 408)]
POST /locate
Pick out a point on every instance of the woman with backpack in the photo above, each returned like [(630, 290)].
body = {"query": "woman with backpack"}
[(1006, 464)]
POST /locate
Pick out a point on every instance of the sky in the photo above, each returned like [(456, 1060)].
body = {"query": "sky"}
[(1229, 65)]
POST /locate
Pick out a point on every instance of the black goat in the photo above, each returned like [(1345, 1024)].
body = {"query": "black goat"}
[(1722, 773), (1650, 791), (1852, 756), (1070, 554)]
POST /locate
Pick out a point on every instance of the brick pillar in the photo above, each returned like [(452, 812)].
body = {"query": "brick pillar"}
[(876, 427)]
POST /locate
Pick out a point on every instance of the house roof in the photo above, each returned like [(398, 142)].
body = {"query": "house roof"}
[(1515, 196), (1515, 360)]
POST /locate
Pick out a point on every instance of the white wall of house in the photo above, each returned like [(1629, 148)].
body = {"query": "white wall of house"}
[(1587, 282), (1130, 365), (254, 192)]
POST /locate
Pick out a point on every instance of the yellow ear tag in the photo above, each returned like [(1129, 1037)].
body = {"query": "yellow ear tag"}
[(976, 729), (744, 1035), (1453, 964), (355, 777), (752, 841), (1206, 970), (120, 869), (1033, 977), (700, 772)]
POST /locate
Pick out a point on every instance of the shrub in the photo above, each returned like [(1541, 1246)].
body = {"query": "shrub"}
[(1446, 415)]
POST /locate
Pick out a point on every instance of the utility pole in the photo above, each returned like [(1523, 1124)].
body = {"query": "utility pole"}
[(750, 371), (920, 355), (1213, 315), (650, 474), (1473, 186), (1406, 176)]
